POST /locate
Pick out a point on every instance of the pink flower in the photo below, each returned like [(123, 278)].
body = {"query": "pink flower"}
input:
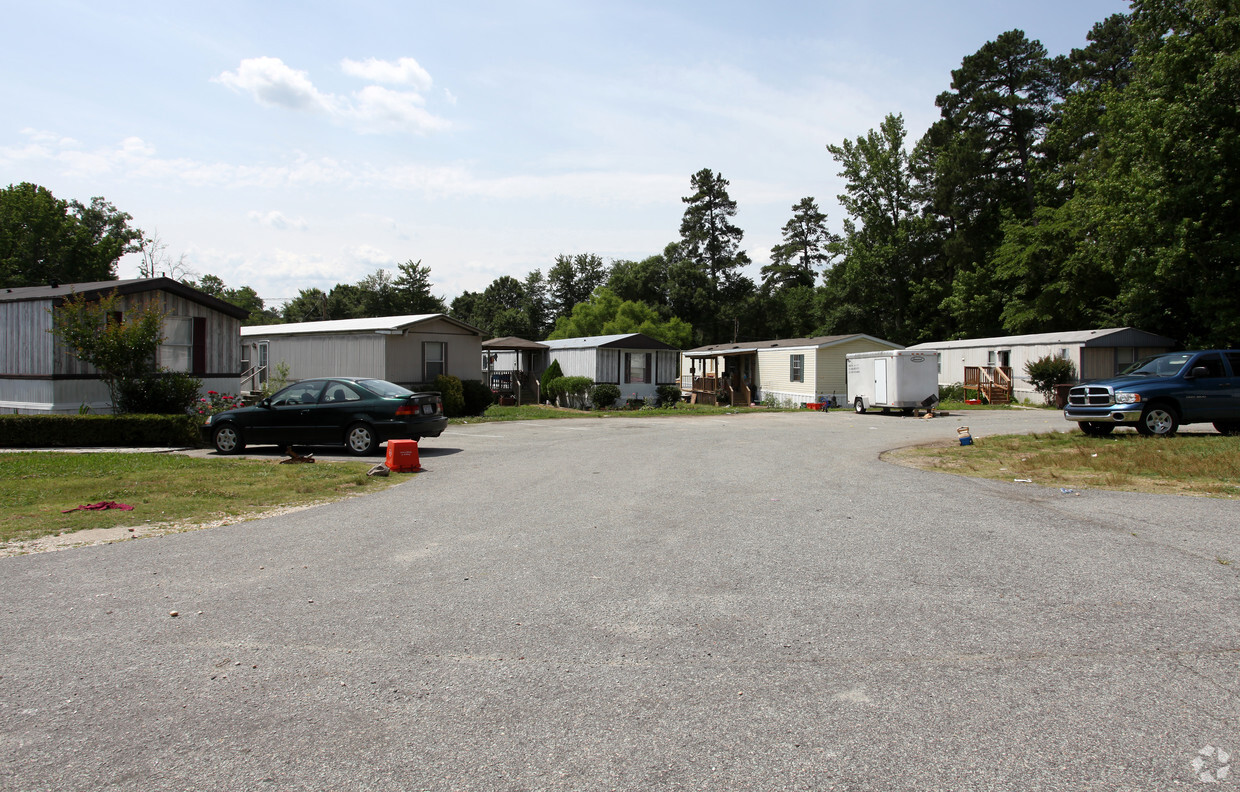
[(212, 393)]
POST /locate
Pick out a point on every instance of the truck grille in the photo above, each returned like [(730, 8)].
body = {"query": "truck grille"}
[(1090, 396)]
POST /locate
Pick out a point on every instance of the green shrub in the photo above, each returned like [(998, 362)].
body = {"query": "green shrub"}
[(158, 393), (452, 393), (951, 393), (604, 396), (572, 387), (478, 397), (120, 431), (552, 372), (668, 395), (1047, 372)]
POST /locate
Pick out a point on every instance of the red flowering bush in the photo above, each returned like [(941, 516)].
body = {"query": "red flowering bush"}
[(214, 403)]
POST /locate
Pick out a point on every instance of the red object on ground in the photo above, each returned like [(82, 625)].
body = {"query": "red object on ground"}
[(100, 506), (402, 456)]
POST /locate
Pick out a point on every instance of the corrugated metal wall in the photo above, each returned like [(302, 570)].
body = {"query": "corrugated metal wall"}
[(326, 355), (27, 343)]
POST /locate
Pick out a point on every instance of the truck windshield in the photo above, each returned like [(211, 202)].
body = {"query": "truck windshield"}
[(1158, 365)]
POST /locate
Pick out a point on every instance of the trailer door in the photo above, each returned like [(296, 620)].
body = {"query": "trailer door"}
[(880, 381)]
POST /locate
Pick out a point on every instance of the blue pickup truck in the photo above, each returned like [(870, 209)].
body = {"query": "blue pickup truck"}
[(1159, 393)]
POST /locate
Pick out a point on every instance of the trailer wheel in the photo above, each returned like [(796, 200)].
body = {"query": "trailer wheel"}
[(859, 406)]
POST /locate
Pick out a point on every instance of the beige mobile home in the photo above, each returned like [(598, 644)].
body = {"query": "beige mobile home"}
[(408, 350), (787, 371)]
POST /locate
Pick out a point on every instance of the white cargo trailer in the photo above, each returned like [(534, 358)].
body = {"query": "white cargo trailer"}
[(893, 379)]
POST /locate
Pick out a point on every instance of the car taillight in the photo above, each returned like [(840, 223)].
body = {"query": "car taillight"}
[(407, 409)]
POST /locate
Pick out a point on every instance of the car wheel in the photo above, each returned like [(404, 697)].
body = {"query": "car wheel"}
[(1231, 429), (227, 438), (361, 439), (859, 406), (1097, 428), (1158, 420)]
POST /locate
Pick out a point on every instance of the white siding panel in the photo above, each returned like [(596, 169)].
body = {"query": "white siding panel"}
[(577, 362), (328, 356)]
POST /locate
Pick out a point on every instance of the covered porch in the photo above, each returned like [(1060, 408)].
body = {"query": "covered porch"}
[(721, 378), (508, 369)]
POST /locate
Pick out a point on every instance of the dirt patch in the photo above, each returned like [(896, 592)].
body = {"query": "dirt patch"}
[(122, 533)]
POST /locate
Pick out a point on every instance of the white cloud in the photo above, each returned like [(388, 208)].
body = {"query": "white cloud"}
[(405, 71), (371, 256), (277, 220), (371, 110), (274, 84), (379, 109)]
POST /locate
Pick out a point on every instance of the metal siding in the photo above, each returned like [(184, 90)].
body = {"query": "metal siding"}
[(577, 362), (28, 344), (327, 356)]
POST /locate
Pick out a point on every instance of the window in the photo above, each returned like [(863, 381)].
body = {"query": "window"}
[(300, 393), (796, 368), (434, 353), (177, 351), (637, 367), (339, 392)]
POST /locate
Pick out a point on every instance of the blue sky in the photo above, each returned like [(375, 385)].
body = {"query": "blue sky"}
[(288, 145)]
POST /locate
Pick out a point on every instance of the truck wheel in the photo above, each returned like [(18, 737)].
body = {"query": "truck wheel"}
[(1226, 428), (1158, 420), (859, 406), (1097, 428)]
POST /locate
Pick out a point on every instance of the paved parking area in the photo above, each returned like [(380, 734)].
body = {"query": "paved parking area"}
[(745, 602)]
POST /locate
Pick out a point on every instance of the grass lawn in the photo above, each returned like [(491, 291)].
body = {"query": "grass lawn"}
[(1204, 464), (162, 488)]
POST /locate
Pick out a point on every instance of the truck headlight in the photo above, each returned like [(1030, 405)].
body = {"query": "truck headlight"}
[(1127, 398)]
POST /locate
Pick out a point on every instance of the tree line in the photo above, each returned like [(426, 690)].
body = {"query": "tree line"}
[(1094, 189)]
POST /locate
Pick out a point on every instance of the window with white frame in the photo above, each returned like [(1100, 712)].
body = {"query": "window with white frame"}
[(176, 353), (796, 368), (434, 355)]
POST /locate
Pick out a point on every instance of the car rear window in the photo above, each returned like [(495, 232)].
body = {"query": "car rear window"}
[(384, 388)]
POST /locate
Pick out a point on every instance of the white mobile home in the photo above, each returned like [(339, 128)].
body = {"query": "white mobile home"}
[(1096, 354), (786, 370), (634, 362), (409, 350), (39, 375)]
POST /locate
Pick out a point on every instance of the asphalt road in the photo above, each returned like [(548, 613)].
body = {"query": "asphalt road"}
[(737, 603)]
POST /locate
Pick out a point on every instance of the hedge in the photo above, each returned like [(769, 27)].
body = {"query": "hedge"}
[(122, 431)]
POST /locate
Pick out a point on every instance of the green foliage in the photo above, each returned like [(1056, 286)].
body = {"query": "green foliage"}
[(550, 373), (159, 393), (1047, 372), (604, 395), (606, 314), (576, 387), (277, 379), (46, 240), (668, 395), (572, 279), (215, 403), (377, 294), (453, 394), (477, 396), (122, 431), (797, 260), (122, 350)]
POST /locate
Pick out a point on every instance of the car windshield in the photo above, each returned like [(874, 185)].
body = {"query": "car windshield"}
[(1158, 365), (384, 388)]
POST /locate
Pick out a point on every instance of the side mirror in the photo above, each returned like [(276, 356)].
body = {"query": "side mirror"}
[(1199, 371), (265, 403)]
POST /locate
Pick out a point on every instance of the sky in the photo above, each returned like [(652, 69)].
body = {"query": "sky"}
[(294, 145)]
